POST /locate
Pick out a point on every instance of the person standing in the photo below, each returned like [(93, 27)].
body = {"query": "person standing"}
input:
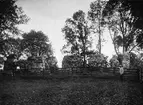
[(121, 71)]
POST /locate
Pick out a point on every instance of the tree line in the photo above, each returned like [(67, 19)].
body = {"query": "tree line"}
[(15, 43), (121, 18)]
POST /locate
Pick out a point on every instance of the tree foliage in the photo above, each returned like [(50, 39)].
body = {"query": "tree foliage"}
[(11, 46), (72, 61), (122, 29), (97, 60), (96, 17), (36, 44), (130, 14), (51, 64), (10, 16), (134, 6), (76, 32), (114, 62)]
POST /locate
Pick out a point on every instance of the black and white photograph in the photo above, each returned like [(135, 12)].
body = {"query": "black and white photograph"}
[(71, 52)]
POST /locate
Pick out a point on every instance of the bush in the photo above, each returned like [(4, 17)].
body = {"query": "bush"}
[(114, 62), (72, 61), (97, 60)]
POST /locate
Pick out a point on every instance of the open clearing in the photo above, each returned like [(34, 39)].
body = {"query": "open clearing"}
[(77, 91)]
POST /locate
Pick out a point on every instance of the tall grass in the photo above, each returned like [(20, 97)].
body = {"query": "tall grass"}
[(70, 92)]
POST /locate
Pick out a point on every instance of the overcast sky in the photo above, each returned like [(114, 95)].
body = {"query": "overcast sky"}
[(49, 17)]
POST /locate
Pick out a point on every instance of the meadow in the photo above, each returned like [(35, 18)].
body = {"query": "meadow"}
[(71, 91)]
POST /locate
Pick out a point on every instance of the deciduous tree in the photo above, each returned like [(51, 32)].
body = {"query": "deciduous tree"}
[(96, 17), (77, 34), (36, 44), (129, 22), (122, 30), (10, 16)]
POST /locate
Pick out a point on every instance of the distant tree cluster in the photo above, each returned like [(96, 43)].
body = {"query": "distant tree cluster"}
[(12, 43), (122, 18)]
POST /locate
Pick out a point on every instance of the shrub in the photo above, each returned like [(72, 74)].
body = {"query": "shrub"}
[(97, 60), (72, 61)]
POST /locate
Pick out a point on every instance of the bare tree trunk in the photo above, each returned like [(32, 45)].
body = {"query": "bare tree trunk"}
[(99, 39), (99, 14), (43, 72), (84, 47), (113, 42)]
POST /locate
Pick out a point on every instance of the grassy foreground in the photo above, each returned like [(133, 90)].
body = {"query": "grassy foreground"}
[(69, 92)]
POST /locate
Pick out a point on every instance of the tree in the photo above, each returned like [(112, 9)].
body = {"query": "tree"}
[(95, 16), (132, 10), (10, 16), (11, 46), (36, 44), (134, 6), (37, 47), (51, 64), (122, 29), (76, 33), (11, 49)]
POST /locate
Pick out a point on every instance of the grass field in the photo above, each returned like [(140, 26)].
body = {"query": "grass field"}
[(83, 91)]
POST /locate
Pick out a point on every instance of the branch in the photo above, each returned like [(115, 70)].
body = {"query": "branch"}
[(134, 46)]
